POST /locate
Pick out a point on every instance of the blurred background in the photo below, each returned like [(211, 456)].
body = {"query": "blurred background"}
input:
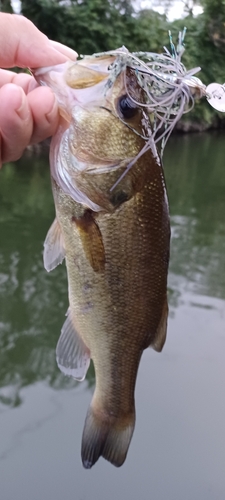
[(178, 448)]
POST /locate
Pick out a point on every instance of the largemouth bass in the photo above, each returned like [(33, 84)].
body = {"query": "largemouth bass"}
[(112, 227)]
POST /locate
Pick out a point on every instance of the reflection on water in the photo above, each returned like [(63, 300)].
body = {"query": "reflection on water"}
[(32, 303), (196, 185), (32, 309)]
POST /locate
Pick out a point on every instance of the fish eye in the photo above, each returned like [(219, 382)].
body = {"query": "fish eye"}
[(127, 107)]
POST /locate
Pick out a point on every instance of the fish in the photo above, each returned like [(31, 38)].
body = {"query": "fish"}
[(112, 228)]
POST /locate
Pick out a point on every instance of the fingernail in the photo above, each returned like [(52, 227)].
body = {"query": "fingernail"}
[(21, 105), (54, 110), (63, 49)]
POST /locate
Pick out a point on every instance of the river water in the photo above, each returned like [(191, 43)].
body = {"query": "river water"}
[(178, 448)]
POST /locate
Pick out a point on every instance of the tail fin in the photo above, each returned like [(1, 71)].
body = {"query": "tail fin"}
[(106, 435)]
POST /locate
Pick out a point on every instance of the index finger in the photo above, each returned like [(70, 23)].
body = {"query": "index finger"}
[(23, 45), (27, 82)]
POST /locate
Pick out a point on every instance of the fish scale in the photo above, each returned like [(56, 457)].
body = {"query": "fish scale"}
[(116, 255)]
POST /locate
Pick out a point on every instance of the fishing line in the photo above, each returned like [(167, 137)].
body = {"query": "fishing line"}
[(169, 90), (145, 148), (125, 123)]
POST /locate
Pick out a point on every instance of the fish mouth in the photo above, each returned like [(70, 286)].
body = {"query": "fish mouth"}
[(77, 75), (82, 82), (37, 72)]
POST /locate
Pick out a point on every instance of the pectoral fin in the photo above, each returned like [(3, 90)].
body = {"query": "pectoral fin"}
[(160, 336), (92, 242), (54, 252), (72, 355)]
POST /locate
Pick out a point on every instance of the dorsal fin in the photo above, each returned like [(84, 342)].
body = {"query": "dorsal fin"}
[(72, 355), (54, 252)]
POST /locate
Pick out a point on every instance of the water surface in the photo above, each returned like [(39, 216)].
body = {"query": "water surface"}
[(178, 448)]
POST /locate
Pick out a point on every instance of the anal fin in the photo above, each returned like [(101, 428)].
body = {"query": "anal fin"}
[(54, 252), (72, 355)]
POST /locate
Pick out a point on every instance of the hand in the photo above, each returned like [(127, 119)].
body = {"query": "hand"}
[(28, 113)]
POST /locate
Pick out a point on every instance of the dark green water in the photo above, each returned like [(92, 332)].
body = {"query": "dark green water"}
[(178, 448)]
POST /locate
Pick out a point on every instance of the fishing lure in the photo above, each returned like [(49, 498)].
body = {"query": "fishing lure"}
[(170, 90)]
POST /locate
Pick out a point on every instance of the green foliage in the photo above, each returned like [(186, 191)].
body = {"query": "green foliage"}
[(5, 6), (98, 25), (150, 32), (205, 47), (87, 26)]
